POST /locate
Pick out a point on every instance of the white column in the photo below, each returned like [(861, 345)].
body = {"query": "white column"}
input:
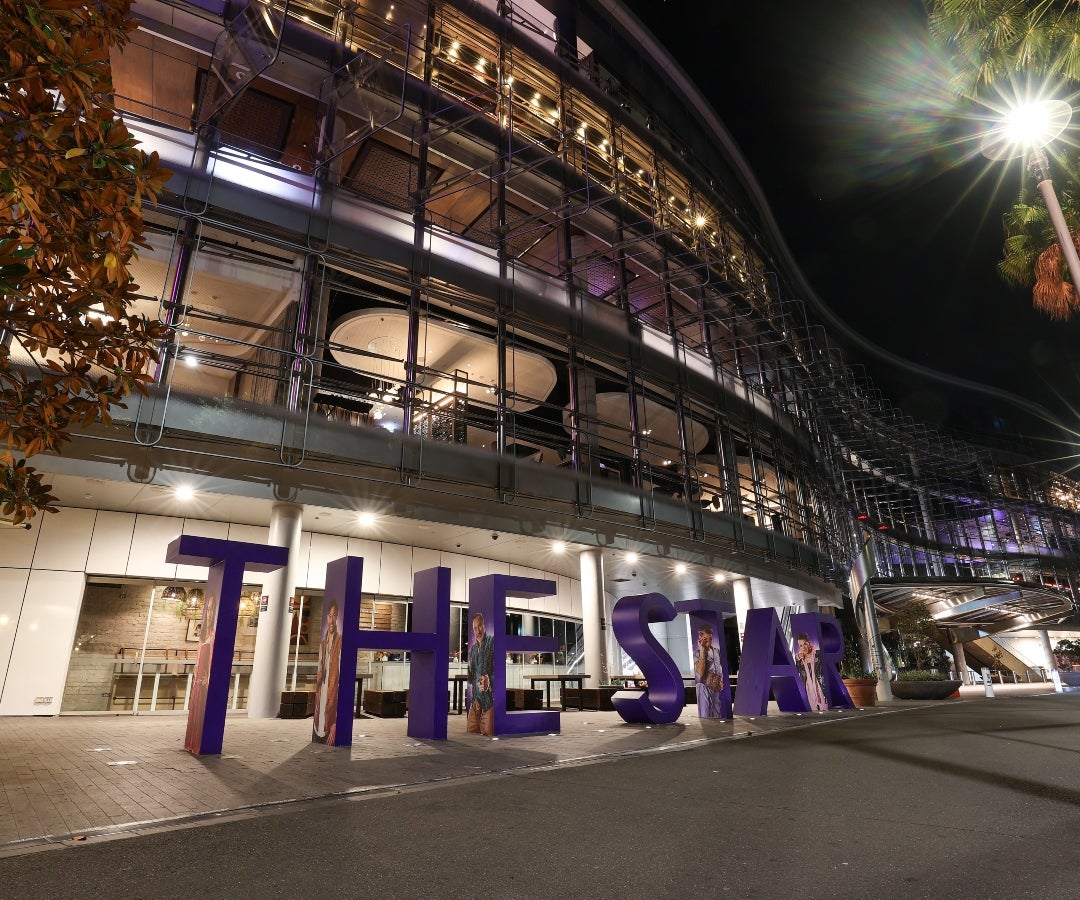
[(878, 657), (592, 615), (271, 660), (960, 659), (1048, 650), (528, 624), (744, 601)]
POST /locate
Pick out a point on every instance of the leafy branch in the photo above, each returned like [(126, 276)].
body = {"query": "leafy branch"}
[(72, 188)]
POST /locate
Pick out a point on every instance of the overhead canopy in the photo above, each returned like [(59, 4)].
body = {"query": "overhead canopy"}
[(988, 604)]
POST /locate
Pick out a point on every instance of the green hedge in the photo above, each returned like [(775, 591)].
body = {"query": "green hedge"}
[(921, 675)]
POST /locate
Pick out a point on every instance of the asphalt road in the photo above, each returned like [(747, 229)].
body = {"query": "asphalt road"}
[(962, 799)]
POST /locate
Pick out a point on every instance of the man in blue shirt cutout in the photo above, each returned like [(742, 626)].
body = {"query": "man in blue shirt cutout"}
[(481, 670)]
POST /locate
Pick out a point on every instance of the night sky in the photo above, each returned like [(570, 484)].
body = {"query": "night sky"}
[(868, 163)]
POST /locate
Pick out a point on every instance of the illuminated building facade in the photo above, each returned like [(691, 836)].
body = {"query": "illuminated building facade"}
[(467, 284)]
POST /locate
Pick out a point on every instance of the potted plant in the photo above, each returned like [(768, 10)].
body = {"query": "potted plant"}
[(921, 663), (861, 683)]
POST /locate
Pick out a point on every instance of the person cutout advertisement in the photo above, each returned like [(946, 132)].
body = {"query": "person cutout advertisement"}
[(327, 680), (481, 719)]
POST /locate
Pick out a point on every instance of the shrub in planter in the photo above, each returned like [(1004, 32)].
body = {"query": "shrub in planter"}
[(920, 684), (920, 675)]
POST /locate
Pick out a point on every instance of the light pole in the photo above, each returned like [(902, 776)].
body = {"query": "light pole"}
[(1025, 131)]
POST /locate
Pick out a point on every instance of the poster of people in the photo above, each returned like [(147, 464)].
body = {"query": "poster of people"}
[(708, 673), (200, 681), (481, 671), (328, 678), (809, 666)]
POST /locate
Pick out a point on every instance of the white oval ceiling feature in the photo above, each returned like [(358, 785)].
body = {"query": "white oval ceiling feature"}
[(447, 351)]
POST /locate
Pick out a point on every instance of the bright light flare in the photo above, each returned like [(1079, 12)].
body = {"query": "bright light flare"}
[(1031, 125), (1025, 126)]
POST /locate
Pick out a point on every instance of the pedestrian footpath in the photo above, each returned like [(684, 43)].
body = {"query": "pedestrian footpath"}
[(71, 778)]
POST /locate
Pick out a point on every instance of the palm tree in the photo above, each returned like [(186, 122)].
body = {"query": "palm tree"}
[(995, 42), (992, 41), (1032, 256)]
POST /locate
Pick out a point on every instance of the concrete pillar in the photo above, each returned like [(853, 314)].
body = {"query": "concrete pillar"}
[(959, 659), (528, 624), (592, 615), (1048, 650), (272, 637), (878, 657), (744, 601)]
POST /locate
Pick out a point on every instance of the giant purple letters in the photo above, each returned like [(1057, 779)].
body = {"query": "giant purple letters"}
[(226, 561), (766, 667)]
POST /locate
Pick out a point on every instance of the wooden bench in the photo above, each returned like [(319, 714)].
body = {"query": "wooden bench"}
[(169, 691)]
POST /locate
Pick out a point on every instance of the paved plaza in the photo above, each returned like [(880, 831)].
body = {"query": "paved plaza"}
[(77, 778)]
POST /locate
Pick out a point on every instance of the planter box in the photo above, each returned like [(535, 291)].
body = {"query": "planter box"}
[(863, 691), (924, 690)]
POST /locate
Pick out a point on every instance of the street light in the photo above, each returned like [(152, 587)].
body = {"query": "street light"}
[(1024, 131)]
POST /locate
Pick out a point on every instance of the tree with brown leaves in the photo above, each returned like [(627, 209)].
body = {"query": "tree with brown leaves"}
[(73, 182)]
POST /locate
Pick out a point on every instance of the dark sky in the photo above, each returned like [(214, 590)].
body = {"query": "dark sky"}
[(842, 111)]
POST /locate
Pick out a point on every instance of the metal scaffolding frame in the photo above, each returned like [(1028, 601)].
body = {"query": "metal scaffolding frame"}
[(544, 162)]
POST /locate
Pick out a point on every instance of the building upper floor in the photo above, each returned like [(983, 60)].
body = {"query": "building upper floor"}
[(507, 251)]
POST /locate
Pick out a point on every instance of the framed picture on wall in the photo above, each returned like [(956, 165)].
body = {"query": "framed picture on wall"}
[(193, 627)]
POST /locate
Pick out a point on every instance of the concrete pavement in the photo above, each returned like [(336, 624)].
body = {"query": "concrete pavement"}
[(953, 799), (77, 777)]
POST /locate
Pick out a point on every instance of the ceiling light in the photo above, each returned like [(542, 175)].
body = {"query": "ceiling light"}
[(719, 578), (680, 568), (631, 557), (558, 547), (367, 519), (184, 492)]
